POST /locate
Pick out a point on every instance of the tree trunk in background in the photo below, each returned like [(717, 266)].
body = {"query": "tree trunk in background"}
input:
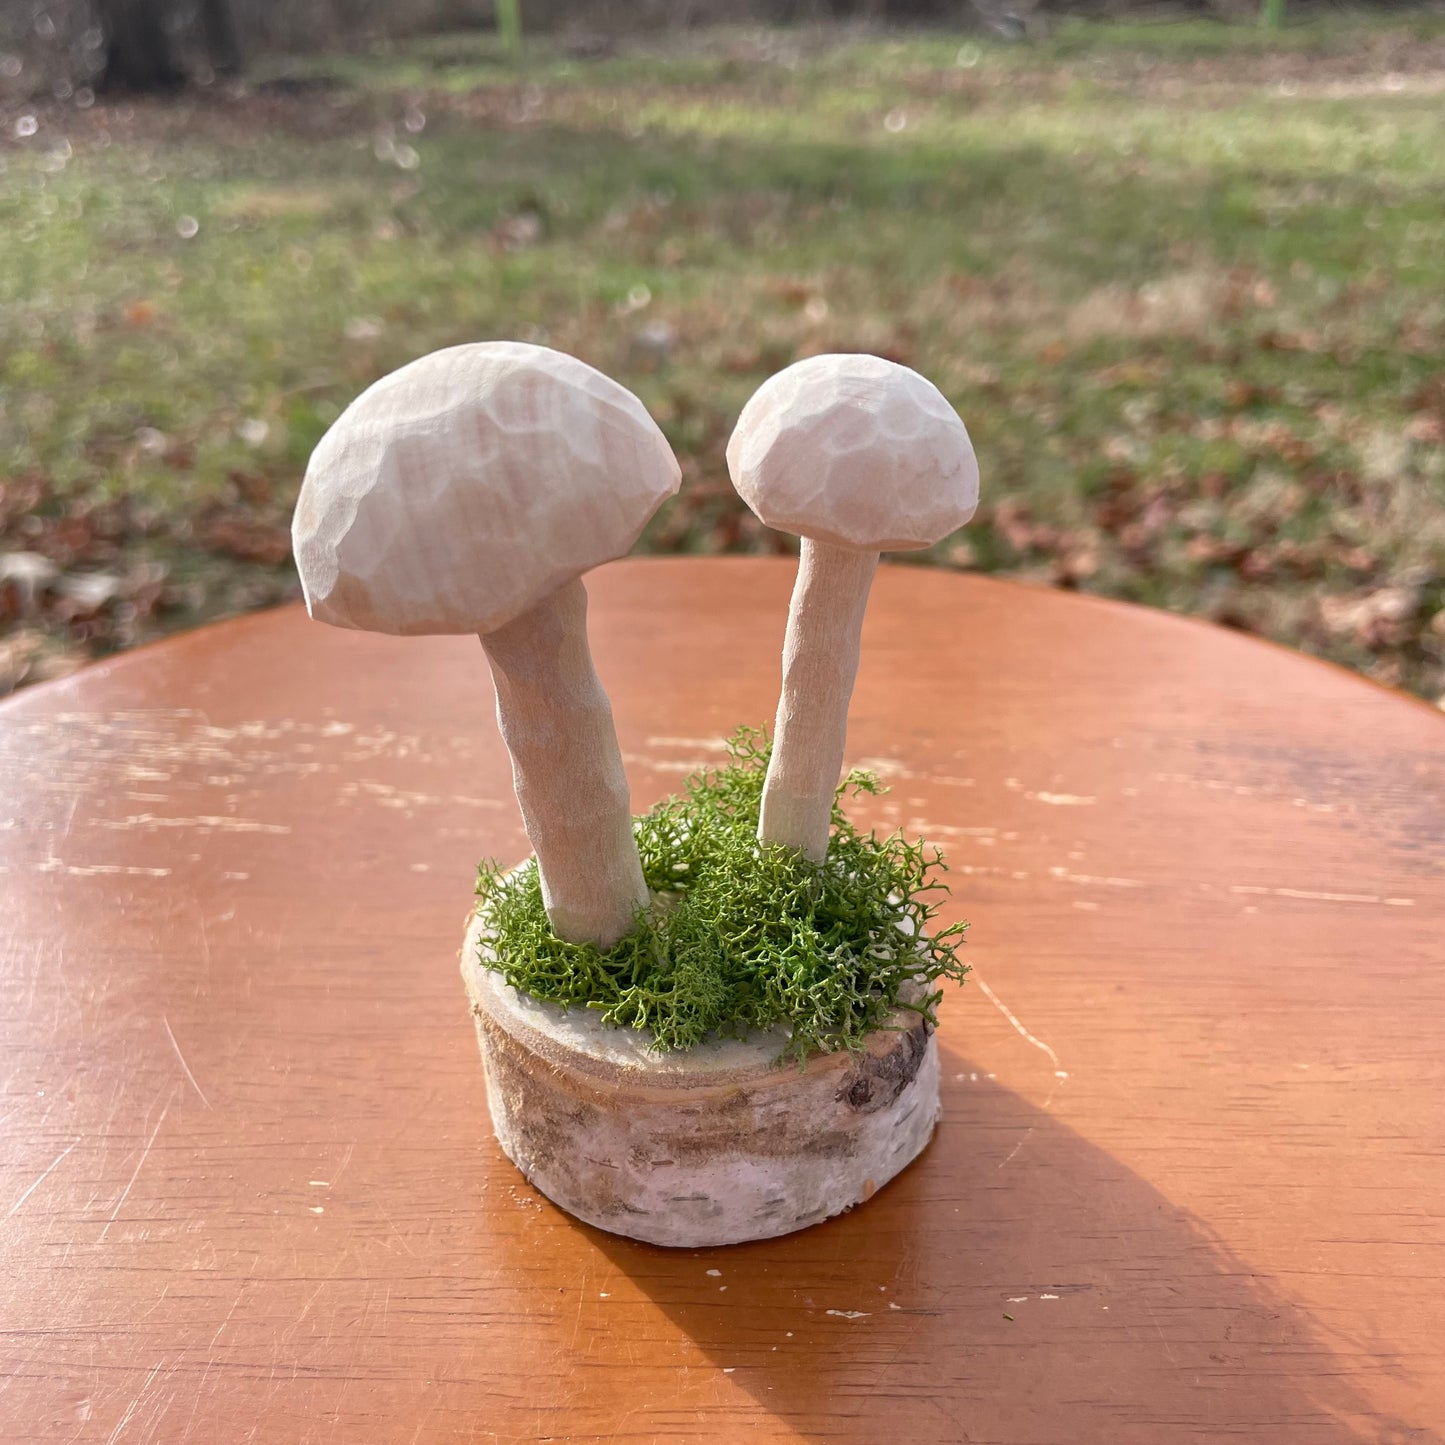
[(223, 41), (139, 52)]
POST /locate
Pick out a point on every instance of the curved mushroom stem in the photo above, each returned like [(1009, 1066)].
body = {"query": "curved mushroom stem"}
[(820, 663), (567, 769)]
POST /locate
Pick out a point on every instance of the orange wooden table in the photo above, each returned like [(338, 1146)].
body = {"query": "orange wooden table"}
[(1191, 1176)]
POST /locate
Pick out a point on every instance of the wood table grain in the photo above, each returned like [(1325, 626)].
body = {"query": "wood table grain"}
[(1191, 1176)]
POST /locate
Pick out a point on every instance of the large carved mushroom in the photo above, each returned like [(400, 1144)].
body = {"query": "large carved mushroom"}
[(857, 456), (468, 492)]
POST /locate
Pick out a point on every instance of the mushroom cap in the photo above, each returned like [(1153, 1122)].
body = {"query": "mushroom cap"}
[(856, 451), (461, 490)]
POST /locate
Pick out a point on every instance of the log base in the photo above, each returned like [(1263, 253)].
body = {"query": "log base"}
[(712, 1146)]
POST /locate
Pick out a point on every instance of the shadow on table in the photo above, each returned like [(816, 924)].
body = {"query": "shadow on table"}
[(1017, 1284)]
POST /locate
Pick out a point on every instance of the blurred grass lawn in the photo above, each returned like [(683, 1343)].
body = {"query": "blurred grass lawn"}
[(1185, 283)]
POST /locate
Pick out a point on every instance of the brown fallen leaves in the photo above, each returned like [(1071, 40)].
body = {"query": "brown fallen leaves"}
[(1228, 557), (244, 533), (83, 576)]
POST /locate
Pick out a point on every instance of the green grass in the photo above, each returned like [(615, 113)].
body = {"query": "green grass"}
[(1185, 283), (742, 937)]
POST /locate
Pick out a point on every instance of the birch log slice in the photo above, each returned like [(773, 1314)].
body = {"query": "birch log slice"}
[(714, 1145)]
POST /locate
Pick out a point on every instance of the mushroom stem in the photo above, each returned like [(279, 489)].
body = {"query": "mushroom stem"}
[(557, 724), (820, 663)]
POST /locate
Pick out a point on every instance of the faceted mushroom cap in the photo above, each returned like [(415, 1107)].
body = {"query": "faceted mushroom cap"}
[(464, 488), (856, 451)]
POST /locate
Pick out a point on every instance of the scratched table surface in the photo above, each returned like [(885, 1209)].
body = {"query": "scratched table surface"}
[(1190, 1179)]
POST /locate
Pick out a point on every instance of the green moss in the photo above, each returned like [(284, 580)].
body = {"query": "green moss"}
[(744, 937)]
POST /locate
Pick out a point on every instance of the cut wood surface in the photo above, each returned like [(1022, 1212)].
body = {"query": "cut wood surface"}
[(1189, 1179)]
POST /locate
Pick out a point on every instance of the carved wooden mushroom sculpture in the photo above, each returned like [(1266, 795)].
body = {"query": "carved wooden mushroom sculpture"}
[(713, 1144), (857, 456), (468, 492)]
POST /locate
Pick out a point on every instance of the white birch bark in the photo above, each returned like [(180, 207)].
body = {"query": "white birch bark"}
[(713, 1145)]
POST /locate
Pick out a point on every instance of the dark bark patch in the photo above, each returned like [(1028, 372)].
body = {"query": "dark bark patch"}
[(876, 1080)]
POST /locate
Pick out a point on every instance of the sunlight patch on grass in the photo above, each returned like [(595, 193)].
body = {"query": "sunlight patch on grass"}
[(1182, 283)]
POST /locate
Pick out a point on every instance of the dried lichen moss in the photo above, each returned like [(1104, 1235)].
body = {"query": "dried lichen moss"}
[(743, 937)]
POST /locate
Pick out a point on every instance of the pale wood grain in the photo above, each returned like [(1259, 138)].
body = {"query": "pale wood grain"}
[(567, 769), (820, 663), (467, 492), (856, 455)]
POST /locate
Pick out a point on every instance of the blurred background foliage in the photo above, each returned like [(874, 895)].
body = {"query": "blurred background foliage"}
[(1183, 277)]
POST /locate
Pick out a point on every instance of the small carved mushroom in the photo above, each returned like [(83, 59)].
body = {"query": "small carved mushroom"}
[(857, 456), (468, 492)]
